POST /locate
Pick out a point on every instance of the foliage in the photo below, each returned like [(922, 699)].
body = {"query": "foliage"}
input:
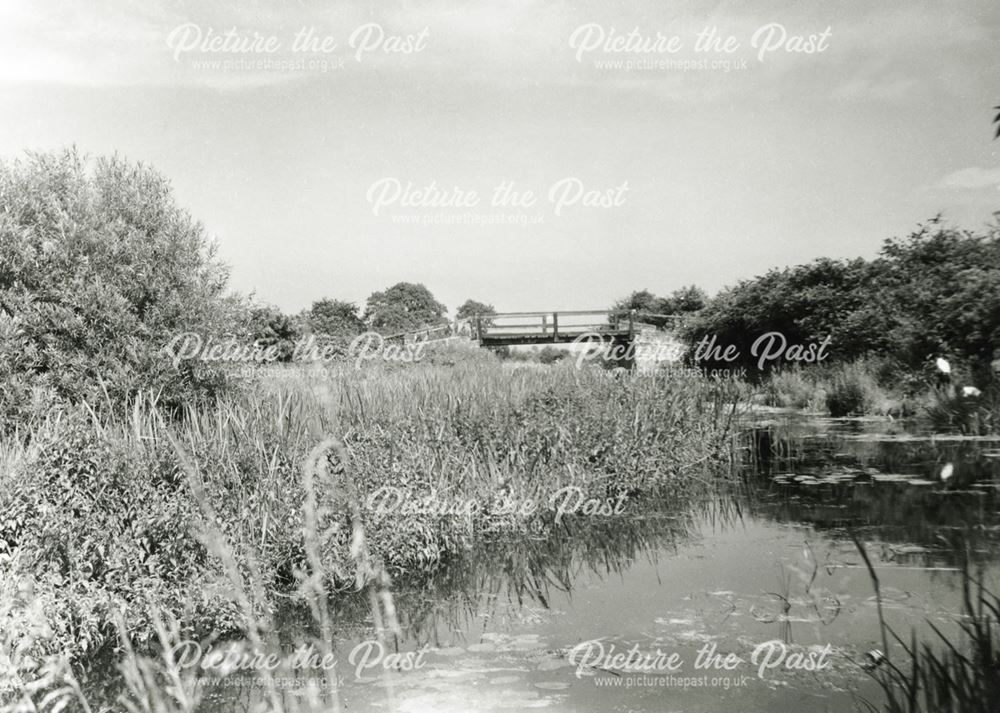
[(334, 318), (687, 299), (853, 391), (951, 410), (105, 517), (640, 301), (402, 307), (471, 308), (793, 388), (269, 327), (99, 269), (935, 293), (550, 355), (948, 674), (658, 310)]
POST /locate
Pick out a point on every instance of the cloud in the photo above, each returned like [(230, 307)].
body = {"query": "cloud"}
[(887, 54), (973, 178)]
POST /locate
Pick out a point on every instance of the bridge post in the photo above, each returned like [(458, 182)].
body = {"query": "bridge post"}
[(555, 326), (479, 327)]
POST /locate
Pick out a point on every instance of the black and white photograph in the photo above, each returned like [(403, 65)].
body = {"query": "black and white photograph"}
[(445, 356)]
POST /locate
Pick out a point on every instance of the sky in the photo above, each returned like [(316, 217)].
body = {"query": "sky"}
[(334, 149)]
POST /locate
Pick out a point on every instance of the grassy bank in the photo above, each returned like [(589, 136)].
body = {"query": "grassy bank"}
[(111, 519), (879, 388)]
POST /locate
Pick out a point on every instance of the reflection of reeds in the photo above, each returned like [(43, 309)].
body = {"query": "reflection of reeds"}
[(948, 675), (508, 574), (847, 490)]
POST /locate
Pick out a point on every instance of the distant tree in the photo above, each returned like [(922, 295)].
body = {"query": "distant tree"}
[(640, 301), (269, 326), (99, 270), (687, 299), (334, 318), (658, 310), (470, 308), (402, 307)]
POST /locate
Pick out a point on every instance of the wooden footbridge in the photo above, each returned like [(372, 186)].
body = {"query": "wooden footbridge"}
[(518, 328), (618, 328)]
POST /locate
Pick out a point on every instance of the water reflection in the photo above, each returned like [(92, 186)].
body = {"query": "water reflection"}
[(924, 499), (766, 555)]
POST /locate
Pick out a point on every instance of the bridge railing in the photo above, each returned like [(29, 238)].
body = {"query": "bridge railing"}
[(555, 324), (567, 324)]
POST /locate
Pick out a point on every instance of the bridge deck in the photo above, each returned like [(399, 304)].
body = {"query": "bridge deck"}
[(514, 328)]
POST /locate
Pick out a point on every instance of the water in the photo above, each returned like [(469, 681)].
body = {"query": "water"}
[(770, 559)]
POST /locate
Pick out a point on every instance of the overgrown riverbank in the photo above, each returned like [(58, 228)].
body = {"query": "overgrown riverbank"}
[(881, 388), (109, 517)]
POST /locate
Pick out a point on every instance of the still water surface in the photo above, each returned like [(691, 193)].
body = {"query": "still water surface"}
[(770, 559)]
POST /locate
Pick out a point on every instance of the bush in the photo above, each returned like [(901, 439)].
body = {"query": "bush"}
[(92, 515), (935, 292), (949, 410), (853, 391), (551, 355), (99, 269), (794, 388)]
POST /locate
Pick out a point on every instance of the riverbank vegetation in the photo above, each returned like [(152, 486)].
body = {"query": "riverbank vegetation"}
[(913, 332), (146, 495), (952, 673), (106, 513)]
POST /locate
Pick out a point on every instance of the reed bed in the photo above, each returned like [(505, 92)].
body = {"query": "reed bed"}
[(127, 532)]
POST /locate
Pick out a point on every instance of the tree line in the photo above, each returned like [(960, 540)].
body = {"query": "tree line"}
[(100, 268), (933, 294)]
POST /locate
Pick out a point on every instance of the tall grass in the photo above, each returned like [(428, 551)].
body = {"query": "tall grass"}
[(849, 389), (949, 409), (205, 526), (873, 387), (949, 674)]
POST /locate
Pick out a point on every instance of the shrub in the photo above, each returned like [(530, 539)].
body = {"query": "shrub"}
[(936, 291), (949, 410), (794, 388), (93, 515), (551, 355), (99, 269), (853, 391)]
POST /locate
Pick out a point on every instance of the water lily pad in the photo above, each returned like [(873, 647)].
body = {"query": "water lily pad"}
[(909, 549), (500, 680), (553, 664), (450, 651)]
